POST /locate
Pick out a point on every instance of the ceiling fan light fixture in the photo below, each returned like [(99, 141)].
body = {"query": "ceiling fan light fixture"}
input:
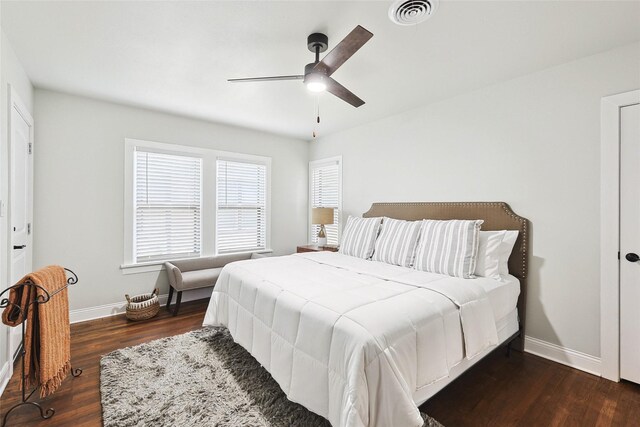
[(316, 86), (315, 82)]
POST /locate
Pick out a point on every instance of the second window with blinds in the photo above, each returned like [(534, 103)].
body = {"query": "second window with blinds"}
[(241, 208), (325, 191), (184, 202)]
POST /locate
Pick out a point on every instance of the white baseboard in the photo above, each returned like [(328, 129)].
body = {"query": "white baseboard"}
[(5, 376), (566, 356), (113, 309)]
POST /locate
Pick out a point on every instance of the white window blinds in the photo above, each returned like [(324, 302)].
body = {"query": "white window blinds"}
[(325, 193), (241, 217), (167, 206)]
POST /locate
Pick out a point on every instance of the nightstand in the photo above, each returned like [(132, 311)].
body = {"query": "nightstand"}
[(316, 248)]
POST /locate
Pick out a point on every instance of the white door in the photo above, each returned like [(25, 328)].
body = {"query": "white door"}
[(630, 243), (20, 197)]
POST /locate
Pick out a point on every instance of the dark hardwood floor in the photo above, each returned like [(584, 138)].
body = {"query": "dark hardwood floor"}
[(523, 390), (526, 390)]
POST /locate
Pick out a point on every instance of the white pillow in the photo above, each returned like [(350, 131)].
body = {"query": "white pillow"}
[(507, 247), (488, 262), (397, 241), (359, 236), (494, 250)]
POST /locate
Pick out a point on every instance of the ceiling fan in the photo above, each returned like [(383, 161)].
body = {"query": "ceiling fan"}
[(317, 75)]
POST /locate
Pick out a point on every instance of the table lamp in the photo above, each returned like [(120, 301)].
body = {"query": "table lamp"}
[(322, 216)]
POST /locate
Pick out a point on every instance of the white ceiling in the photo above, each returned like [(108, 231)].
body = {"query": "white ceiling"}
[(176, 56)]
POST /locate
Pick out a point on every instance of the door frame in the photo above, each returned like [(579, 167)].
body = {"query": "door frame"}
[(610, 230), (18, 106)]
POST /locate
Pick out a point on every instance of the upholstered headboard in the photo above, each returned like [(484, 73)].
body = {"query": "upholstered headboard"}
[(496, 216)]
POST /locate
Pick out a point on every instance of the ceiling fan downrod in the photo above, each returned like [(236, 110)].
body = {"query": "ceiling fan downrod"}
[(317, 43)]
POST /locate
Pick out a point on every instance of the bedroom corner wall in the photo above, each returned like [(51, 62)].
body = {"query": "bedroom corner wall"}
[(79, 189), (11, 73), (533, 142)]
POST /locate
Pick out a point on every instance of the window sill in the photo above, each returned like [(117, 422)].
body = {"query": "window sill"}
[(149, 267), (142, 268)]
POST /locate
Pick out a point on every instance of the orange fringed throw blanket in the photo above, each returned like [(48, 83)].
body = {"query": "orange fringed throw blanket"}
[(47, 334)]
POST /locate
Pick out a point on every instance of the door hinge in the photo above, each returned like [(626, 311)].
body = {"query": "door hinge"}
[(30, 147), (29, 228)]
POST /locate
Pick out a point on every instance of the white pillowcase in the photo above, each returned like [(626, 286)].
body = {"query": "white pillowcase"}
[(494, 250), (508, 243)]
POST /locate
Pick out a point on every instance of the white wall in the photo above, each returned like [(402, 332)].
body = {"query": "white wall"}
[(79, 186), (532, 142), (11, 73)]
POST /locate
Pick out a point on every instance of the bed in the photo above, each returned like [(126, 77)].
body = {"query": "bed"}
[(364, 343)]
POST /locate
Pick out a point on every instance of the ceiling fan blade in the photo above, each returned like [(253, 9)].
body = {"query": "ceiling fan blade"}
[(266, 79), (343, 50), (342, 92)]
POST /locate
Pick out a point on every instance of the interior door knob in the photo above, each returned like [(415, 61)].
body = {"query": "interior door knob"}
[(631, 257), (24, 246)]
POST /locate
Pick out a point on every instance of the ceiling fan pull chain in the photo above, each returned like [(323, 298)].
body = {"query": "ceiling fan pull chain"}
[(317, 115)]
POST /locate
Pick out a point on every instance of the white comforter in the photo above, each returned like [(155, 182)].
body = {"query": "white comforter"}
[(349, 339)]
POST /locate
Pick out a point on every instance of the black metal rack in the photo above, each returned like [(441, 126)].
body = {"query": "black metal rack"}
[(38, 299)]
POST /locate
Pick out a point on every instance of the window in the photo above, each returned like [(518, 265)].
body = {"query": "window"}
[(241, 220), (184, 202), (167, 206), (325, 191)]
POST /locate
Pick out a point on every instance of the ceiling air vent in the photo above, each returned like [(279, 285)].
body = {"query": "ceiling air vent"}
[(411, 12)]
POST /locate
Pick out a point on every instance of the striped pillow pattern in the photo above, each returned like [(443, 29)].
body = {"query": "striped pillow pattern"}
[(448, 247), (397, 241), (359, 236)]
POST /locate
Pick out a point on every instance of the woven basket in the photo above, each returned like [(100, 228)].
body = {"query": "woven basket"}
[(142, 307)]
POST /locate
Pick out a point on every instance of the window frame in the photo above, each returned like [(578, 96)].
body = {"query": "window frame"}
[(208, 204), (319, 163)]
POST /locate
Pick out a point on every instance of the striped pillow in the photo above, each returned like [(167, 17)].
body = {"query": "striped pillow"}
[(448, 247), (397, 242), (359, 236)]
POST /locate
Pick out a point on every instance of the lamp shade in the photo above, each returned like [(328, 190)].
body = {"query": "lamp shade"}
[(322, 216)]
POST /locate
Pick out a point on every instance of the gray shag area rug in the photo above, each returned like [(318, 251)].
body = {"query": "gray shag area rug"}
[(201, 378)]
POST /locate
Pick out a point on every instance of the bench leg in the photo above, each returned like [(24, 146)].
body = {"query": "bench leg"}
[(170, 297), (177, 307)]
